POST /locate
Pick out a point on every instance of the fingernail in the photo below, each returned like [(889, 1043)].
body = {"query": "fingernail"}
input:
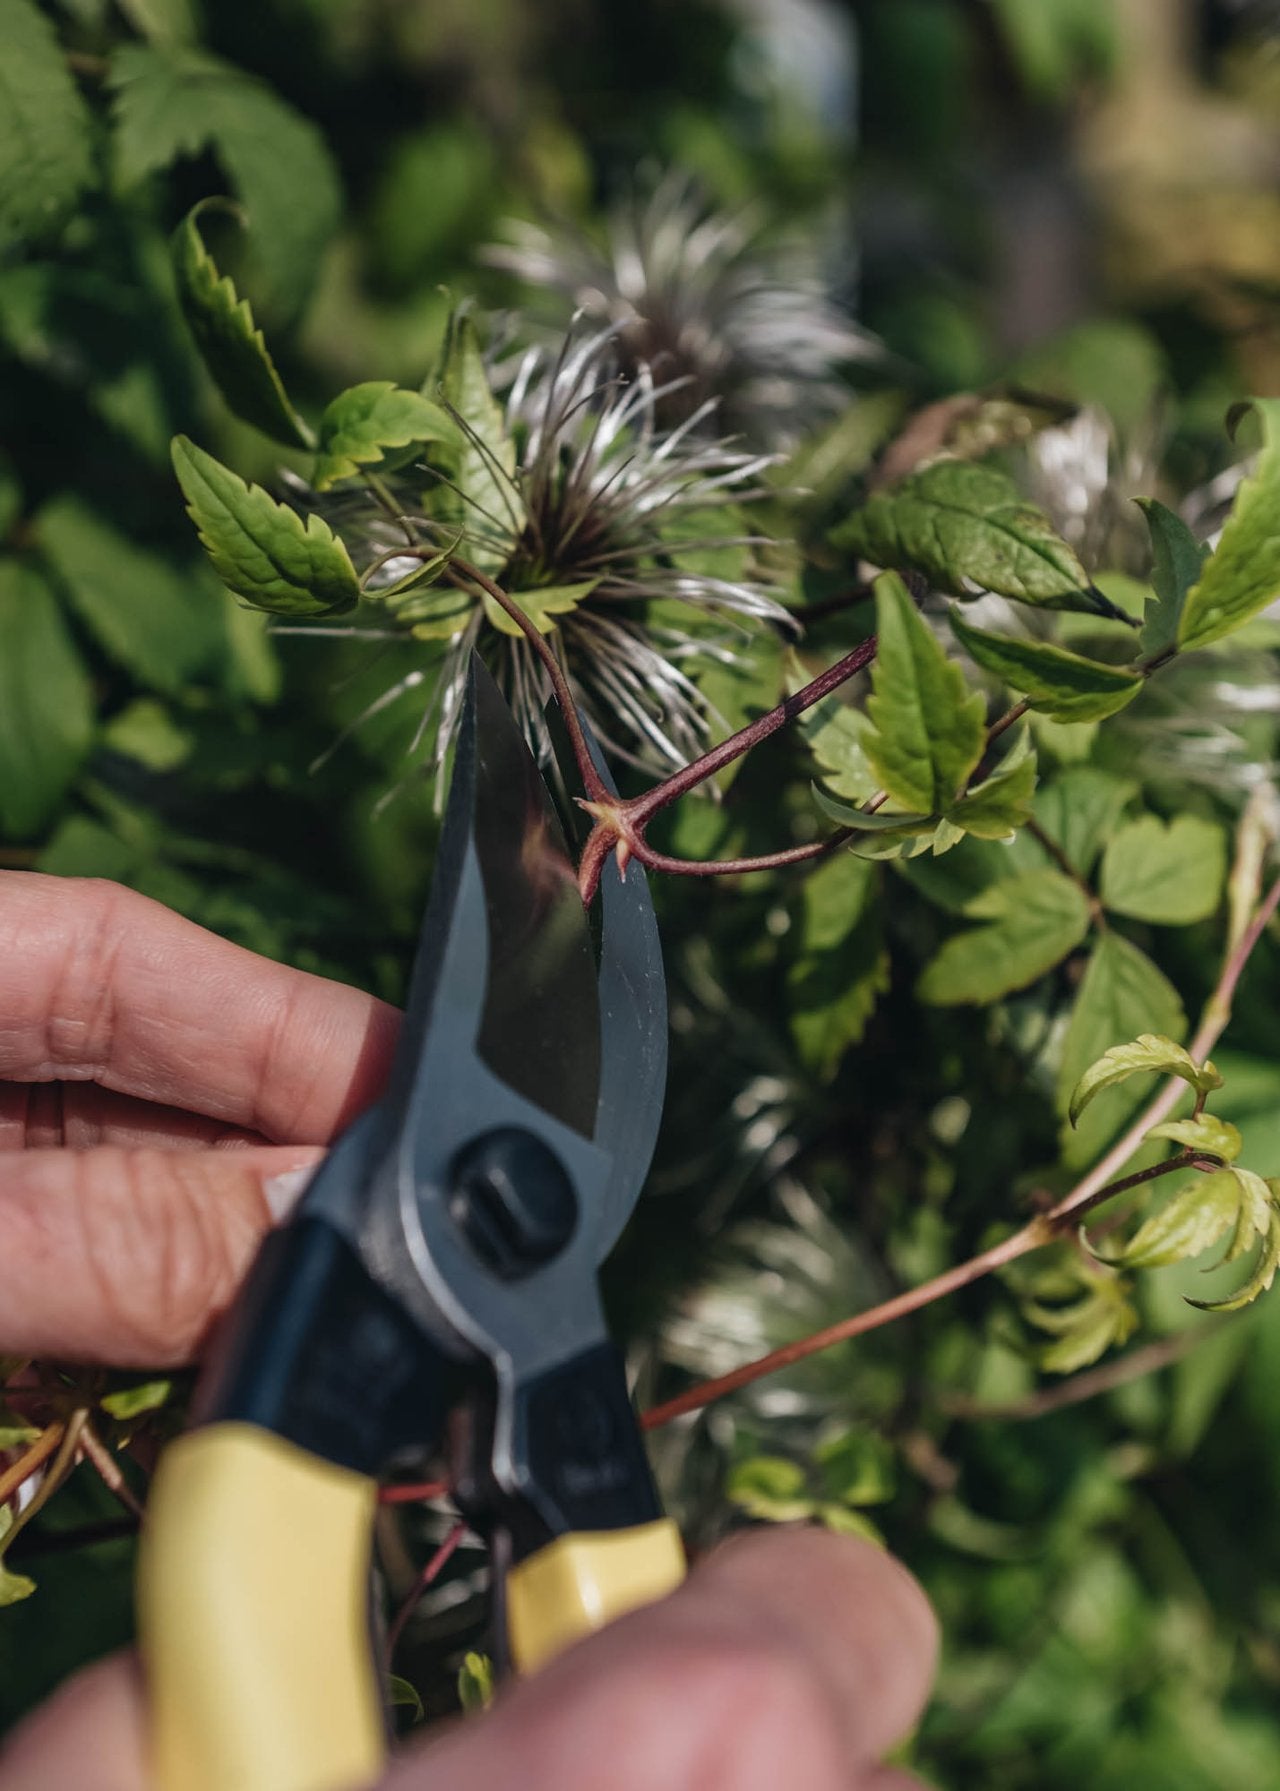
[(282, 1192)]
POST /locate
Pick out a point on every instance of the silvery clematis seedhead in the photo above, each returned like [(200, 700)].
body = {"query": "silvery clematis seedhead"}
[(706, 301), (625, 541)]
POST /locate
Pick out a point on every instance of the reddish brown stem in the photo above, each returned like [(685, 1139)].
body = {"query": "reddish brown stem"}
[(415, 1493), (426, 1579), (34, 1457)]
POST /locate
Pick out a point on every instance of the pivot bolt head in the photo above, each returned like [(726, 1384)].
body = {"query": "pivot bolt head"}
[(511, 1198)]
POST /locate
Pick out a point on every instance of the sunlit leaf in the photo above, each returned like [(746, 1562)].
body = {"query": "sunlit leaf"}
[(475, 1681), (1213, 1136), (483, 497), (1001, 803), (1063, 685), (1171, 872), (1243, 576), (1150, 1054), (1177, 561), (1202, 1211), (542, 605), (363, 426)]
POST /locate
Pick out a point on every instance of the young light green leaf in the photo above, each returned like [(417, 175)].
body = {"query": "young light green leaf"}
[(1150, 1054), (262, 550), (1177, 561), (1202, 1211), (1264, 1272), (1001, 803), (1085, 1329), (45, 156), (927, 730), (770, 1487), (1033, 921), (1243, 576), (1172, 874), (490, 507), (1213, 1136), (958, 521), (1057, 683), (136, 1401), (145, 611), (847, 1522), (856, 1468), (1121, 993), (542, 605), (475, 1682), (841, 963), (174, 101), (365, 425), (231, 344), (46, 701)]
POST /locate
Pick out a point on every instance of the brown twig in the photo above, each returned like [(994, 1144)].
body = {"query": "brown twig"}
[(61, 1465), (34, 1457), (109, 1470)]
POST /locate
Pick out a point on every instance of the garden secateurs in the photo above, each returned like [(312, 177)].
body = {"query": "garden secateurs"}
[(437, 1283)]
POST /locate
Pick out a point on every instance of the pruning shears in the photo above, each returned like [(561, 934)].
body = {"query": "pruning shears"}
[(436, 1285)]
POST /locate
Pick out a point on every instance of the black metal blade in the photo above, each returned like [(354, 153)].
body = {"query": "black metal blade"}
[(633, 1019), (539, 1026)]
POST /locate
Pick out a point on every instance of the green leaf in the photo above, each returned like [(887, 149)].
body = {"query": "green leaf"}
[(959, 521), (542, 606), (1062, 685), (1177, 561), (161, 21), (1033, 921), (836, 733), (364, 424), (1264, 1273), (231, 344), (1079, 810), (856, 1468), (770, 1487), (489, 505), (1169, 873), (401, 1694), (14, 1587), (144, 611), (135, 1401), (262, 550), (1200, 1213), (14, 1431), (1215, 1137), (841, 962), (997, 807), (177, 102), (1150, 1054), (45, 159), (475, 1682), (1097, 1324), (146, 731), (1121, 993), (1243, 576), (928, 731), (46, 702)]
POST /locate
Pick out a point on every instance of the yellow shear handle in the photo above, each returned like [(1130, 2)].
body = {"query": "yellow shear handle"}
[(581, 1582), (254, 1618)]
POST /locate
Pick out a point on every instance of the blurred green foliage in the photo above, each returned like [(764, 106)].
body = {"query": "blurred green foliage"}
[(872, 1062)]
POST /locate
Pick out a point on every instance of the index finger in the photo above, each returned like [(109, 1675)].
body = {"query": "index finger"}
[(98, 983)]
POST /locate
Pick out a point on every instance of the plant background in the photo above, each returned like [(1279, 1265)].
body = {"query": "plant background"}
[(1081, 192)]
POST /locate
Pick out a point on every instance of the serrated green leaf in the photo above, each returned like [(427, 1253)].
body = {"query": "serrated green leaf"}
[(1215, 1137), (1243, 575), (262, 550), (45, 157), (1172, 874), (133, 1402), (1033, 921), (770, 1487), (475, 1682), (1264, 1273), (366, 423), (841, 963), (959, 520), (1079, 810), (46, 701), (541, 605), (231, 345), (1196, 1216), (1121, 993), (1057, 683), (1001, 803), (1149, 1054), (1086, 1328), (835, 732), (144, 611), (927, 731), (174, 101), (1177, 562), (488, 502)]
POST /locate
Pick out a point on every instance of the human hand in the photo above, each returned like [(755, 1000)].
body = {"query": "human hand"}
[(182, 1075)]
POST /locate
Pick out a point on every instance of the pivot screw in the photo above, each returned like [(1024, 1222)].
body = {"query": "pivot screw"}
[(512, 1200)]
